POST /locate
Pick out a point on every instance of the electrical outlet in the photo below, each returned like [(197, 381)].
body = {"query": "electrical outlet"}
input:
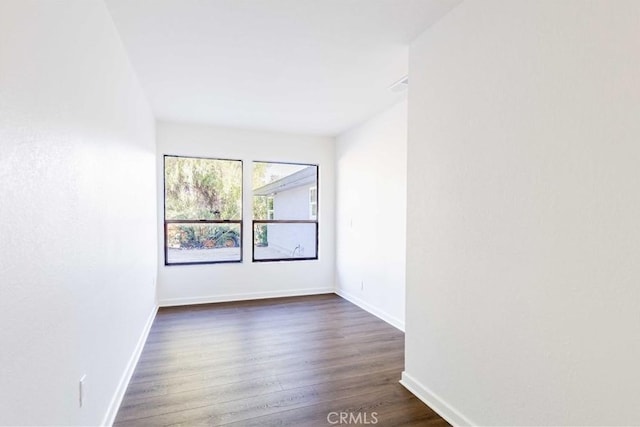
[(81, 390), (362, 285)]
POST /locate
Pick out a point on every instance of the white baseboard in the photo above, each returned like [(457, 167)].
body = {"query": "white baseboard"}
[(393, 321), (116, 400), (432, 400), (170, 302)]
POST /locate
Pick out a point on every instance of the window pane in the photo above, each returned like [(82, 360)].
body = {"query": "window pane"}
[(284, 241), (281, 191), (196, 242), (202, 188)]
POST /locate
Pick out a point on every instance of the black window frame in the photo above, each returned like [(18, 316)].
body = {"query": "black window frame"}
[(316, 221), (201, 221)]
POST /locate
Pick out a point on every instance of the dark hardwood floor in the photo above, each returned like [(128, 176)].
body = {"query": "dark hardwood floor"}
[(303, 361)]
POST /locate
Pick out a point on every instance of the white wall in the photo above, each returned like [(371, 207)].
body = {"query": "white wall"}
[(77, 213), (184, 284), (371, 214), (523, 213)]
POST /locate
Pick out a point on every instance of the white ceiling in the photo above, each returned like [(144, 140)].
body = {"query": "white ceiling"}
[(301, 66)]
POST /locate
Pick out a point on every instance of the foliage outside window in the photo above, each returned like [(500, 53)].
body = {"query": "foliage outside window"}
[(203, 210), (285, 211)]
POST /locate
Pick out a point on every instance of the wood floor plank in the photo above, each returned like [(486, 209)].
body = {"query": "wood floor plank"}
[(280, 362)]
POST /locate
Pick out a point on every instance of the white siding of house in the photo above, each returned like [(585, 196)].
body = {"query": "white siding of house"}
[(292, 204), (285, 238)]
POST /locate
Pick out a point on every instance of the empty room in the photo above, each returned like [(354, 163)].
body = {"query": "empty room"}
[(319, 212)]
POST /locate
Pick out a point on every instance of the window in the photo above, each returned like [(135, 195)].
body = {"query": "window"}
[(285, 211), (270, 214), (313, 203), (202, 210)]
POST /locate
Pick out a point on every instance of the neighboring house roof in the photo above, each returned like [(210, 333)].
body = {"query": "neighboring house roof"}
[(298, 179)]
